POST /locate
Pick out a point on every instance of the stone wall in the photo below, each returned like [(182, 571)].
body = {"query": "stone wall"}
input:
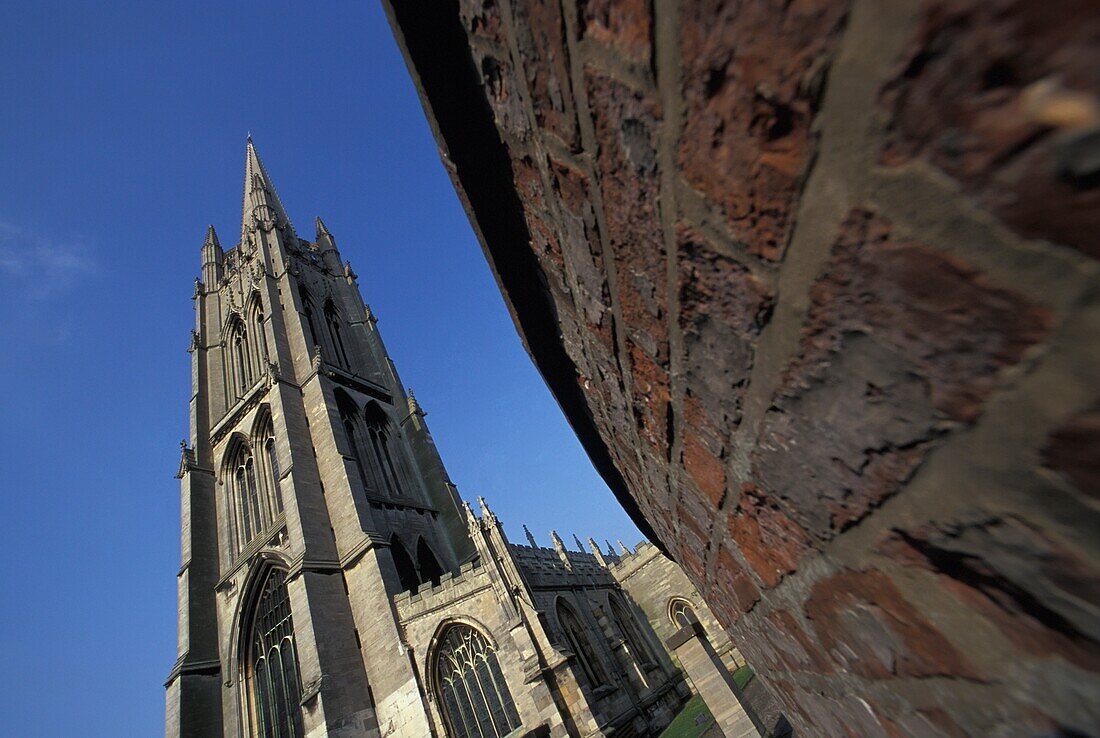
[(815, 284), (653, 581)]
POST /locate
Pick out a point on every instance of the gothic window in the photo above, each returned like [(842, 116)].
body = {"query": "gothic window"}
[(386, 455), (258, 344), (264, 438), (577, 637), (474, 697), (332, 319), (307, 309), (237, 362), (355, 433), (271, 681), (681, 613), (628, 626), (430, 570), (406, 570), (251, 514), (273, 470)]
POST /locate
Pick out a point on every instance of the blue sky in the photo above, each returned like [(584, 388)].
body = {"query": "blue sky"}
[(122, 131)]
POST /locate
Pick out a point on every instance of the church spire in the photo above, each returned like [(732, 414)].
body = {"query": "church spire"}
[(262, 206)]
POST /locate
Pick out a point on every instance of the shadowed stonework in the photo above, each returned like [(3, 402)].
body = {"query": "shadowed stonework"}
[(814, 283)]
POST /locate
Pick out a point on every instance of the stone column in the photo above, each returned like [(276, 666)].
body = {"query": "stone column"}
[(714, 683)]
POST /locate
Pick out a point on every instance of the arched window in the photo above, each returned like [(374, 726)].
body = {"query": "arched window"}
[(577, 638), (236, 361), (681, 613), (264, 439), (272, 684), (387, 457), (273, 469), (251, 514), (406, 571), (258, 344), (332, 319), (473, 695), (355, 433), (430, 570), (628, 626), (307, 310)]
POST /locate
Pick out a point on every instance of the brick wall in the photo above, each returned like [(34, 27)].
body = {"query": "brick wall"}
[(815, 284)]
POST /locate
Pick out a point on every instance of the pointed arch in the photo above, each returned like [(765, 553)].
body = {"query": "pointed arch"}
[(255, 326), (627, 624), (427, 563), (243, 492), (681, 612), (576, 635), (356, 434), (263, 440), (406, 570), (387, 453), (267, 658), (309, 311), (334, 323), (465, 675), (236, 361)]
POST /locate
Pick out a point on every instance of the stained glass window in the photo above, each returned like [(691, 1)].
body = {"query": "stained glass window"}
[(474, 697), (271, 675)]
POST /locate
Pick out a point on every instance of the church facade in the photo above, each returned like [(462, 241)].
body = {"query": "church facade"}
[(333, 583)]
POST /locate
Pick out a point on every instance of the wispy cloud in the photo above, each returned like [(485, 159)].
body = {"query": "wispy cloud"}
[(38, 266)]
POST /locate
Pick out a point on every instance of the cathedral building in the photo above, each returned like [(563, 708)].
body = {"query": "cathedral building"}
[(333, 583)]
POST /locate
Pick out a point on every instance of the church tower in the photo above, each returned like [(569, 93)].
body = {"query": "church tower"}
[(332, 582), (311, 492)]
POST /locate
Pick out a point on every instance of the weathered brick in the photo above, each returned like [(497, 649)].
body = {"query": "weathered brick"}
[(582, 245), (626, 129), (723, 307), (771, 542), (1073, 450), (502, 90), (481, 18), (1002, 95), (541, 41), (867, 626), (749, 81), (733, 584), (1038, 593), (624, 25), (898, 338)]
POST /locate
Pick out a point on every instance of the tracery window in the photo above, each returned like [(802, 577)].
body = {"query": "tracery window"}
[(681, 613), (307, 309), (577, 637), (332, 319), (388, 462), (474, 697), (238, 369), (254, 497), (628, 626), (271, 680)]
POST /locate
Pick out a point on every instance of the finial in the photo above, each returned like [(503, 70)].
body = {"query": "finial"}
[(610, 549), (248, 138), (556, 539), (414, 406), (622, 546), (530, 538), (485, 511), (597, 552), (580, 546), (322, 230), (470, 517)]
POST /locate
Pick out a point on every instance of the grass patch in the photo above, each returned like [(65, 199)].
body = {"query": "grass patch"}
[(692, 721), (743, 676)]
